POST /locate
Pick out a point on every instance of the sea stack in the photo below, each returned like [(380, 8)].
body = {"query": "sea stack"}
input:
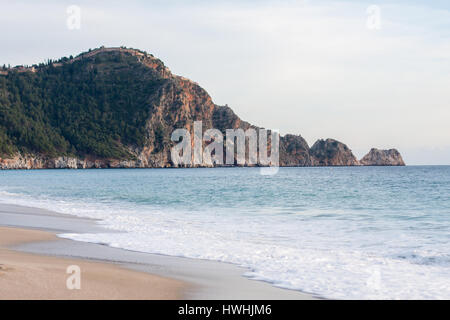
[(377, 157), (331, 152)]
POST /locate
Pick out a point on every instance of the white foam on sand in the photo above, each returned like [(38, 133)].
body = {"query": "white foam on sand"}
[(328, 257)]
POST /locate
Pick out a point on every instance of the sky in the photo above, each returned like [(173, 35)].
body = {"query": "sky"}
[(367, 73)]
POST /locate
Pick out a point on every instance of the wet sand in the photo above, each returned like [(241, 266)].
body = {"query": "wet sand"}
[(32, 276), (34, 262)]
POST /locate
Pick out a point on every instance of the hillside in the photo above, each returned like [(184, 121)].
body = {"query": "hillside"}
[(117, 107)]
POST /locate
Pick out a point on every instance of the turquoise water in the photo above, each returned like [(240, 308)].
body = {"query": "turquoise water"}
[(347, 232)]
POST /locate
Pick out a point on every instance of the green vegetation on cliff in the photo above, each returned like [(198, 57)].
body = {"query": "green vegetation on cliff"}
[(94, 106)]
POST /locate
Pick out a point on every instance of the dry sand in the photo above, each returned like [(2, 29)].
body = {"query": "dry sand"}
[(31, 276)]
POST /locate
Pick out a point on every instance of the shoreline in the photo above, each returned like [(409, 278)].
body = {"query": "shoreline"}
[(219, 167), (31, 276), (175, 277)]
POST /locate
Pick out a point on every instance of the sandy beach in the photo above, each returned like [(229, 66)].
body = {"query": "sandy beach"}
[(31, 276), (34, 261)]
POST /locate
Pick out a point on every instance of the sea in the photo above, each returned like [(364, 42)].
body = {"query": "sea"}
[(334, 232)]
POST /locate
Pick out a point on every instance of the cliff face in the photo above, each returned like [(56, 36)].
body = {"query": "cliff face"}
[(29, 161), (295, 152), (117, 108), (378, 157), (330, 152)]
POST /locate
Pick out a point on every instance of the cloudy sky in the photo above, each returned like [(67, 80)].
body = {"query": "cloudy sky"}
[(316, 68)]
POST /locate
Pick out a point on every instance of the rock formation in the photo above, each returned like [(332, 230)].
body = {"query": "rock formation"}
[(377, 157), (130, 129), (330, 152), (295, 152)]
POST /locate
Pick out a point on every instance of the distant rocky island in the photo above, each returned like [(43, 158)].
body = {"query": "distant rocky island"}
[(117, 108)]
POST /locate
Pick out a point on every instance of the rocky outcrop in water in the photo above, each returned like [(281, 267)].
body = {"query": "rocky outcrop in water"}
[(377, 157), (295, 152), (330, 152)]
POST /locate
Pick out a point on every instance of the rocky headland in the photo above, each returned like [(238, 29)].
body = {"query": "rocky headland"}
[(117, 108)]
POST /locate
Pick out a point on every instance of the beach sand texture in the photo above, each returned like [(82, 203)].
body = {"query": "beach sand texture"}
[(29, 276)]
